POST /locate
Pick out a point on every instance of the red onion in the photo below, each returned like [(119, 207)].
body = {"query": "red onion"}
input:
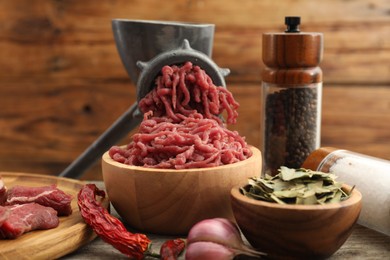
[(218, 237), (208, 251)]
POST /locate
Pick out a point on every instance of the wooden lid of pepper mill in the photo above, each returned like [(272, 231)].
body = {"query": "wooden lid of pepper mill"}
[(292, 57)]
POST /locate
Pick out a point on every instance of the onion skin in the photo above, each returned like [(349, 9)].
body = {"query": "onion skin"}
[(216, 238), (208, 251), (217, 230)]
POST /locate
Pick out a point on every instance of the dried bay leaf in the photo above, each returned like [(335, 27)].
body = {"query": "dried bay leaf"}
[(307, 198), (296, 186), (280, 185), (276, 199), (286, 193), (336, 197)]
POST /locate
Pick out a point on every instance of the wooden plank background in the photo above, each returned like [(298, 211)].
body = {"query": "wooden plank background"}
[(62, 82)]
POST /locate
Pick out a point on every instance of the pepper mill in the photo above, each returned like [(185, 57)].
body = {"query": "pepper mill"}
[(292, 95)]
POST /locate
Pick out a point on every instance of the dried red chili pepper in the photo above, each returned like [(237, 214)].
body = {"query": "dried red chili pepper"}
[(109, 228), (171, 249)]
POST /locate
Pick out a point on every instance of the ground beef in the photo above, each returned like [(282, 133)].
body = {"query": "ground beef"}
[(186, 90), (182, 127)]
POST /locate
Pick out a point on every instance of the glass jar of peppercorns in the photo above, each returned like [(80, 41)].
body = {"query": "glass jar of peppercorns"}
[(292, 95)]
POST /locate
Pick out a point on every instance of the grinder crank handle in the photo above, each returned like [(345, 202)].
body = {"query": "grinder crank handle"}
[(118, 130)]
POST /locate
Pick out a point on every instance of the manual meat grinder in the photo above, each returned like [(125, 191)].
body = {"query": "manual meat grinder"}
[(145, 47)]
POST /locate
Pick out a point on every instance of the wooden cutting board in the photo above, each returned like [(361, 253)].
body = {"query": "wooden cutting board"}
[(71, 233)]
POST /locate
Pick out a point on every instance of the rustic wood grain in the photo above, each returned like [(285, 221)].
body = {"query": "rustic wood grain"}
[(170, 201), (74, 38), (60, 71), (296, 231), (234, 49), (60, 128), (363, 243), (71, 233), (292, 58)]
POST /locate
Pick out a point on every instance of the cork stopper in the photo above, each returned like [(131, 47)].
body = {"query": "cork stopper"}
[(292, 57), (314, 160)]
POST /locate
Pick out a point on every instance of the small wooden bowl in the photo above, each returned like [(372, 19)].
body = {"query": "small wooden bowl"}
[(296, 231), (170, 202)]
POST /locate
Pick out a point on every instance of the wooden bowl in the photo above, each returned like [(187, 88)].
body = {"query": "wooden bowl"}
[(170, 202), (296, 231)]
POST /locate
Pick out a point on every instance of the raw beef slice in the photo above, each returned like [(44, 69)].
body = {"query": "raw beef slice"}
[(49, 196), (4, 212), (27, 217), (3, 192)]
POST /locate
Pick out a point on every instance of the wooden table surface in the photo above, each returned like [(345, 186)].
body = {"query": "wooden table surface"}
[(363, 243)]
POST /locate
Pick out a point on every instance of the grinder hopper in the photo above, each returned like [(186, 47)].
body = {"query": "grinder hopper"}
[(144, 48)]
